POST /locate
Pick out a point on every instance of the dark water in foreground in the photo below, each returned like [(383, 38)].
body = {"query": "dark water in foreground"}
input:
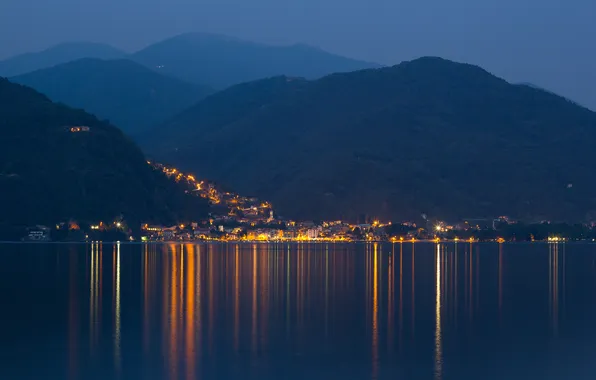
[(259, 311)]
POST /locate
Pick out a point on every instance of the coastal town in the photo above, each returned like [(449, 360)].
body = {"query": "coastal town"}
[(240, 218)]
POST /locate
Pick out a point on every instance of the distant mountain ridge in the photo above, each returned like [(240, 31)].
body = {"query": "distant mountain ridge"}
[(425, 136), (201, 58), (221, 61), (142, 90), (56, 55), (127, 93), (58, 163)]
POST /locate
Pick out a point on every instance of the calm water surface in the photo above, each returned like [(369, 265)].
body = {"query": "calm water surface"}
[(297, 311)]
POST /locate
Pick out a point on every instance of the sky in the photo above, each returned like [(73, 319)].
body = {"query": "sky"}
[(546, 42)]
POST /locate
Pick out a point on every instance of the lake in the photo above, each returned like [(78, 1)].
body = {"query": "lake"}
[(298, 311)]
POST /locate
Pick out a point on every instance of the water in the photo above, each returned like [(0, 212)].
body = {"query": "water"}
[(297, 311)]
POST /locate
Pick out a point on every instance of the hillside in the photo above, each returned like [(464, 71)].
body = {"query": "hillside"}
[(124, 92), (49, 173), (430, 135), (536, 87), (221, 61), (56, 55)]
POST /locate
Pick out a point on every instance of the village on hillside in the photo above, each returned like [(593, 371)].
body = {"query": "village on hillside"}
[(239, 218)]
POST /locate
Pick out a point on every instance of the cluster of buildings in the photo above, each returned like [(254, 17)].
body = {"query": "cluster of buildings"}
[(262, 226), (241, 218), (226, 229)]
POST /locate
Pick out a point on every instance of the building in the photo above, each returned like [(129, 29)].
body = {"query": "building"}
[(81, 128), (202, 233), (38, 233), (479, 223), (290, 234), (313, 233), (250, 211), (169, 233)]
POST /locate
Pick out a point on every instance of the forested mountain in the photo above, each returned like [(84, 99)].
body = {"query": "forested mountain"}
[(56, 55), (199, 58), (58, 163), (220, 61), (122, 91), (426, 136)]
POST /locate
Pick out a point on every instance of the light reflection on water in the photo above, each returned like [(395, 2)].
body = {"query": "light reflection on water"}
[(117, 315), (268, 311), (438, 338)]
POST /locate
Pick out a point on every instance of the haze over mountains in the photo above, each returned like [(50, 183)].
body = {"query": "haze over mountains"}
[(127, 93), (143, 89), (570, 73), (426, 136), (221, 61), (429, 135), (201, 58), (49, 173), (56, 55)]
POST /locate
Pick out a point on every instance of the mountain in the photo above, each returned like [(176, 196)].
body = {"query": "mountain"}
[(127, 93), (50, 173), (56, 55), (529, 84), (426, 136), (221, 61), (536, 87)]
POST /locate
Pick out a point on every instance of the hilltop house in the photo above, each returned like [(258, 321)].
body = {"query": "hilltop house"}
[(81, 128)]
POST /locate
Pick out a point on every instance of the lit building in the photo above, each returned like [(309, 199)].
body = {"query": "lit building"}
[(82, 128), (313, 233), (38, 233)]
